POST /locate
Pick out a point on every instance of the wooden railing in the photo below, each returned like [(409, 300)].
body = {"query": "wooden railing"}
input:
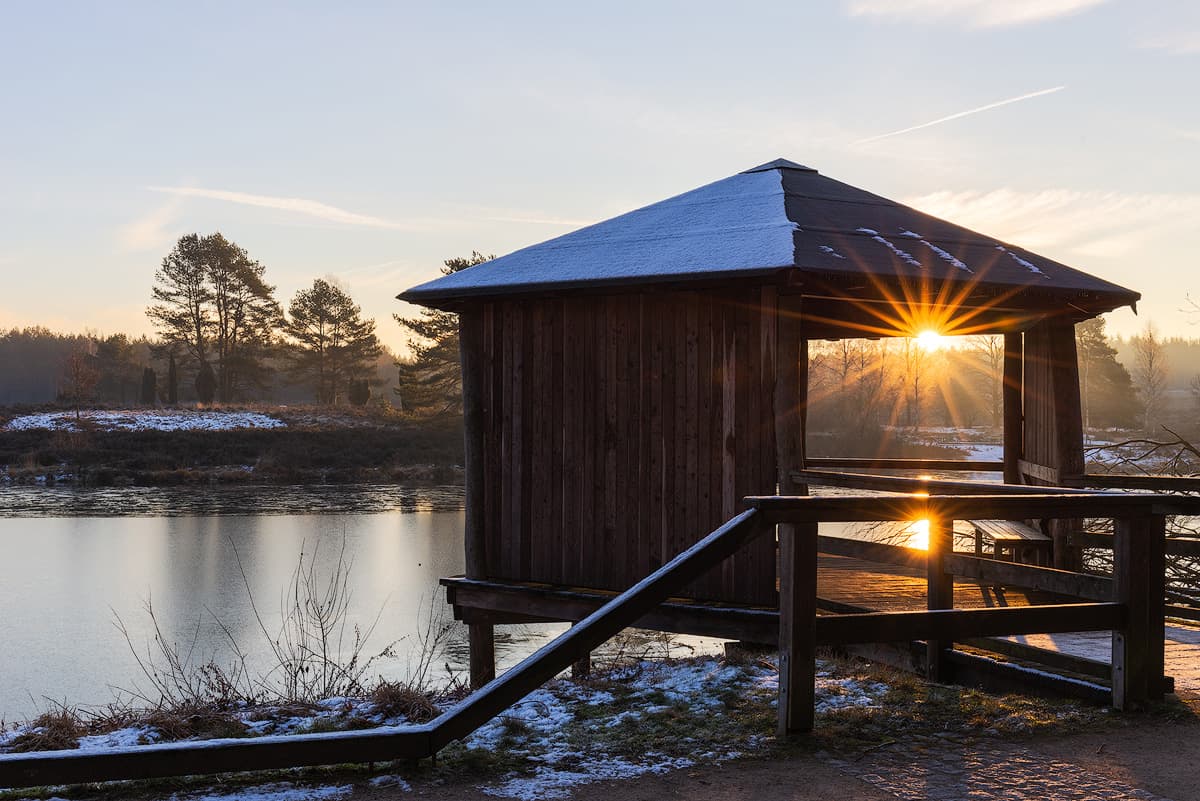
[(1130, 604)]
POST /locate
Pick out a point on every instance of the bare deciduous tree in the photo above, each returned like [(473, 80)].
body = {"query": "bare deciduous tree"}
[(1150, 374)]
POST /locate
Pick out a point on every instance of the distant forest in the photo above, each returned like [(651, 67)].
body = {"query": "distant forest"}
[(34, 363), (222, 336)]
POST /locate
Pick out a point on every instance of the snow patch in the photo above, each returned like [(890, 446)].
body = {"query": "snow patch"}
[(904, 255), (944, 255), (278, 791), (831, 252), (146, 420), (391, 781), (1028, 265)]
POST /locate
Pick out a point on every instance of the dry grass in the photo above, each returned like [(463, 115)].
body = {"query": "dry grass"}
[(394, 699), (202, 723), (56, 730)]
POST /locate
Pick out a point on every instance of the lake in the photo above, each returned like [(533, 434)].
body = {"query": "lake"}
[(74, 562)]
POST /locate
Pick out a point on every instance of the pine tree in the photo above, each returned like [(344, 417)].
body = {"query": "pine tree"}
[(432, 379), (330, 341), (1109, 400), (211, 301)]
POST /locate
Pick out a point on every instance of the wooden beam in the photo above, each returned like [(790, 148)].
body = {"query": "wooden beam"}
[(1061, 582), (529, 603), (872, 551), (1039, 471), (912, 484), (965, 465), (1174, 546), (1156, 483), (961, 624), (214, 756), (1055, 659), (801, 509), (1013, 421)]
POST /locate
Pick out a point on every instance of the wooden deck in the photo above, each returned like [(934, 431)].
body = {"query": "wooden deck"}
[(847, 582), (882, 587)]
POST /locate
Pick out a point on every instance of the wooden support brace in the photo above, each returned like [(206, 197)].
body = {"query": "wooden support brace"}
[(797, 627)]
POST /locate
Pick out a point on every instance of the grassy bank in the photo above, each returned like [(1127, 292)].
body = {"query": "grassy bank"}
[(313, 446)]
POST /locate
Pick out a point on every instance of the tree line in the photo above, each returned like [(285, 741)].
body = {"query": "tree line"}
[(218, 319), (223, 336)]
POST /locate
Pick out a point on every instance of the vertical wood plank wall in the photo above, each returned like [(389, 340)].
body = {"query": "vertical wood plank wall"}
[(1053, 425), (618, 430)]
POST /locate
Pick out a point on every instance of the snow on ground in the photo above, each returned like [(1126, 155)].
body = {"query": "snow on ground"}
[(567, 732), (985, 451), (276, 791), (147, 420)]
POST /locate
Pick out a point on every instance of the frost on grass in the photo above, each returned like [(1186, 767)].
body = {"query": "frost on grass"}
[(642, 717), (146, 420), (645, 718)]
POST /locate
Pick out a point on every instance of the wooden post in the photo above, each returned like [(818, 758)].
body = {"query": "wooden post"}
[(480, 636), (940, 592), (797, 627), (1137, 650), (1011, 393), (1068, 438), (797, 543)]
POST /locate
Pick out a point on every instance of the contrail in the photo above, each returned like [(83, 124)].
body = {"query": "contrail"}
[(940, 120)]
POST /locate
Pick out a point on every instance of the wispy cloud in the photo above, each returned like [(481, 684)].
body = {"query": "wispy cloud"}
[(1108, 224), (961, 114), (148, 228), (972, 13), (1180, 42), (296, 205), (152, 231)]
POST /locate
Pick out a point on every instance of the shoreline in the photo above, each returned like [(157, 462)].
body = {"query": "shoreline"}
[(156, 448)]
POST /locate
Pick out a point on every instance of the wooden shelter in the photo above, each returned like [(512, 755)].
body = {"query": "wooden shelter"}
[(628, 384)]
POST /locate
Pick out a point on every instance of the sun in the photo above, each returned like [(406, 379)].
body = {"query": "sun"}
[(930, 340)]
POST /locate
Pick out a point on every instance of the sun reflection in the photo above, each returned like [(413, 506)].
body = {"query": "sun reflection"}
[(918, 535)]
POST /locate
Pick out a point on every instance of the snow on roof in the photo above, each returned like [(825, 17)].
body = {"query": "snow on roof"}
[(779, 215)]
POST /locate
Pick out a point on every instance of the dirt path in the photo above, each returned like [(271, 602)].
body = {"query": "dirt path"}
[(1157, 761)]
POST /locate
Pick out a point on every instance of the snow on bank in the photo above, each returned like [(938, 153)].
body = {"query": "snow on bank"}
[(147, 420), (570, 733)]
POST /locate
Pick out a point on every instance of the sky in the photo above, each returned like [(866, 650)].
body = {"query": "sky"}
[(371, 141)]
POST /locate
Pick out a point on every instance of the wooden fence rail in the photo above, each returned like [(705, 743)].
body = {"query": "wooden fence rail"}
[(1131, 604)]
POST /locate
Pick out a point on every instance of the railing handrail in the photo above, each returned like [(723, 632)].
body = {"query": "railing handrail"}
[(915, 506)]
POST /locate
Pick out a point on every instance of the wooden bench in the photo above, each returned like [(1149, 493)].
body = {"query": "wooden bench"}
[(1013, 541)]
